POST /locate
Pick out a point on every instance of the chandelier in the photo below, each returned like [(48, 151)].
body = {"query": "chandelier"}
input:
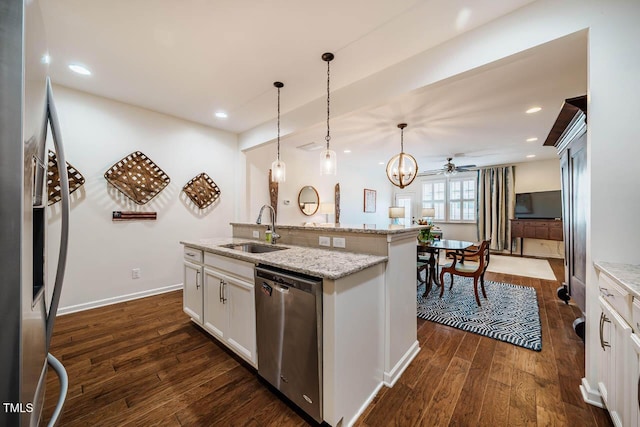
[(402, 168)]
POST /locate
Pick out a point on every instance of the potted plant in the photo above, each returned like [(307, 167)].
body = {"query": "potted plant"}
[(425, 235)]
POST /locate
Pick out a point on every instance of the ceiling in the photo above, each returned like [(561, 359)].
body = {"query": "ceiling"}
[(192, 58)]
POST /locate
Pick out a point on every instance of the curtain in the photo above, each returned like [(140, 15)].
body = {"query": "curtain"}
[(496, 205)]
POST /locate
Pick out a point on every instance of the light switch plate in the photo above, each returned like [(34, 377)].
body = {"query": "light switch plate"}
[(324, 241), (256, 234), (339, 242)]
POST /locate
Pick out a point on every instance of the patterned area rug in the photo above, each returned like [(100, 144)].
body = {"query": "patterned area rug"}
[(510, 312)]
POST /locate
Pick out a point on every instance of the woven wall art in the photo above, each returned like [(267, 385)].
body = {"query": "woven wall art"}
[(137, 177), (202, 190), (53, 179)]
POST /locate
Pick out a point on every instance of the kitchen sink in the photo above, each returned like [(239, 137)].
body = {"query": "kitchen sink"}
[(253, 248)]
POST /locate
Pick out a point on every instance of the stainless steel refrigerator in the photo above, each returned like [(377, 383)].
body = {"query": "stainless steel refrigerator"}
[(26, 321)]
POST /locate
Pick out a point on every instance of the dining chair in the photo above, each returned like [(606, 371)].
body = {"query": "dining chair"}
[(468, 270)]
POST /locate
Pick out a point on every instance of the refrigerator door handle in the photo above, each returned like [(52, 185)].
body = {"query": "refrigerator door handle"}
[(52, 115), (64, 386)]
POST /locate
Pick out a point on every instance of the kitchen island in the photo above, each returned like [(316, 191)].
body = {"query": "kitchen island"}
[(368, 300)]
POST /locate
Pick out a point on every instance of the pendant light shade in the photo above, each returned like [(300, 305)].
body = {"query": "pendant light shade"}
[(278, 168), (402, 168), (328, 159)]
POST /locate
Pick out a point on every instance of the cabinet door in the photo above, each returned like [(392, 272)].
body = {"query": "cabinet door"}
[(614, 372), (215, 300), (604, 357), (192, 291), (241, 334), (634, 381)]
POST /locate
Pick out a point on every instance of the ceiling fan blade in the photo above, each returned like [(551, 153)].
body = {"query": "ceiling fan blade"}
[(432, 172), (465, 166)]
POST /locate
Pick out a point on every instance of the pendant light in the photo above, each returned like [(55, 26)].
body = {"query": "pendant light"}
[(328, 161), (278, 168), (402, 168)]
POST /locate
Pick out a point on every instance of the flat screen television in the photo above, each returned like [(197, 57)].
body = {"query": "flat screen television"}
[(539, 205)]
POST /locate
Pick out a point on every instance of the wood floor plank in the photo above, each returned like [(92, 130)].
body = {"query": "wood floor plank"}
[(446, 396), (469, 404), (495, 404), (522, 404), (144, 363)]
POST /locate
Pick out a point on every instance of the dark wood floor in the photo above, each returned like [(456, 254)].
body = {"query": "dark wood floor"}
[(143, 363)]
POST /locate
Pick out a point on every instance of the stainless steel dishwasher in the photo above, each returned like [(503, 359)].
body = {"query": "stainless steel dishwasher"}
[(289, 335)]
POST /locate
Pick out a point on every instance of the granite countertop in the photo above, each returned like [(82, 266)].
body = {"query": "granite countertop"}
[(328, 264), (627, 275), (358, 228)]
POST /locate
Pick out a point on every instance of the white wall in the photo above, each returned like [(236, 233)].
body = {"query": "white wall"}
[(303, 168), (98, 132), (541, 175)]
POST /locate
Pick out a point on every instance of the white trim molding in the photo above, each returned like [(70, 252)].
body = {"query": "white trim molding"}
[(590, 395), (114, 300), (390, 378)]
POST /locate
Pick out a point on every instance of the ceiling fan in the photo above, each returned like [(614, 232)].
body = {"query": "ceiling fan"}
[(449, 168)]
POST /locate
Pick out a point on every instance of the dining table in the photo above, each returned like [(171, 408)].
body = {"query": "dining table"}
[(433, 248)]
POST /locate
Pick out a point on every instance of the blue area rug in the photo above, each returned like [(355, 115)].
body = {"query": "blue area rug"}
[(509, 313)]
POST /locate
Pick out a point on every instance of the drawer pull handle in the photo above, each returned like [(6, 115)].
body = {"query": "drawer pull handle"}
[(220, 289), (605, 292), (197, 281)]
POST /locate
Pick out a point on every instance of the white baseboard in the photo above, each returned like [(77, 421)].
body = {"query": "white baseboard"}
[(114, 300), (390, 378), (590, 395), (365, 405)]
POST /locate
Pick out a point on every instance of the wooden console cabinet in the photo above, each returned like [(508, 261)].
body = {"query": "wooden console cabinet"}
[(546, 229)]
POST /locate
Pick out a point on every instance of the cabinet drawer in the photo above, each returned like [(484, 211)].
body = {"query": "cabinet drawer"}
[(235, 267), (615, 295), (193, 255), (542, 233), (636, 316)]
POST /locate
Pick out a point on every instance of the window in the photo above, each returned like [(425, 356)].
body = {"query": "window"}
[(433, 196), (456, 204)]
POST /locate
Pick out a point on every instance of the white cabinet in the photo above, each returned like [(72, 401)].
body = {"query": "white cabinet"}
[(192, 291), (634, 381), (218, 293), (229, 312), (613, 372)]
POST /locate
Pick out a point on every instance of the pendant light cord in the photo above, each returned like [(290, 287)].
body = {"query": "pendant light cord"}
[(401, 140), (328, 137), (278, 124)]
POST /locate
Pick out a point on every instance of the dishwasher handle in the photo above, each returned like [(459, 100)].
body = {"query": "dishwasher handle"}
[(282, 289)]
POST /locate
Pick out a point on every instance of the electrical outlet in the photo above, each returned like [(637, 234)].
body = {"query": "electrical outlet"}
[(339, 242), (256, 234), (135, 273), (324, 241)]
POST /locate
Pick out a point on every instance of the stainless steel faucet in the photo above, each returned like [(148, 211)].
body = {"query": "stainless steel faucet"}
[(274, 236)]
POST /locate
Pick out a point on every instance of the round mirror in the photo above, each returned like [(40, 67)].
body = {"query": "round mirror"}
[(308, 200)]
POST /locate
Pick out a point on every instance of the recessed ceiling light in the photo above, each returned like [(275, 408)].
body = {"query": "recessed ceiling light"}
[(530, 156), (532, 139), (533, 110), (221, 115), (381, 163), (347, 151), (80, 69), (46, 59)]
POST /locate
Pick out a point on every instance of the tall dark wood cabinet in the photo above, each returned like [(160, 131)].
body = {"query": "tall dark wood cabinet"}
[(569, 136)]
